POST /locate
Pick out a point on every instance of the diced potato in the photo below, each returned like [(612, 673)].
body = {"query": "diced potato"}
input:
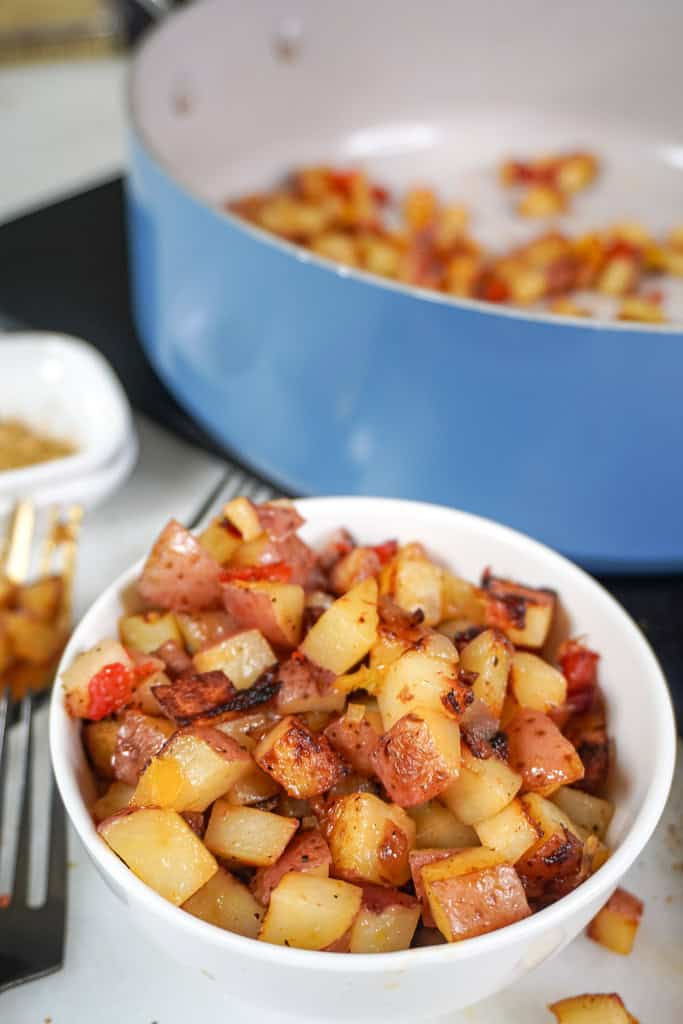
[(252, 788), (310, 912), (138, 739), (306, 687), (538, 750), (351, 569), (197, 765), (595, 854), (418, 757), (536, 684), (473, 892), (591, 813), (42, 598), (242, 658), (76, 678), (554, 865), (548, 816), (219, 540), (243, 516), (143, 695), (276, 609), (346, 631), (418, 584), (149, 631), (592, 1009), (247, 835), (99, 739), (305, 764), (117, 797), (510, 833), (355, 735), (386, 922), (369, 839), (417, 680), (615, 926), (227, 903), (438, 828), (161, 849), (490, 656), (32, 640), (247, 729), (307, 851), (483, 788), (524, 614), (204, 628), (418, 859), (179, 574)]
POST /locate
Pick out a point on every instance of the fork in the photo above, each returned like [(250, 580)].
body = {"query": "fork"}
[(32, 937)]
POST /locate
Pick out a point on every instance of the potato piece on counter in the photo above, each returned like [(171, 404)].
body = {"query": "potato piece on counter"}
[(483, 788), (536, 684), (227, 903), (418, 757), (489, 655), (438, 828), (309, 912), (369, 839), (591, 813), (472, 893), (276, 609), (592, 1009), (242, 658), (76, 679), (544, 757), (346, 631), (615, 926), (117, 797), (161, 849), (307, 851), (99, 740), (247, 835), (149, 631), (510, 833), (386, 921), (196, 766), (304, 763), (524, 614)]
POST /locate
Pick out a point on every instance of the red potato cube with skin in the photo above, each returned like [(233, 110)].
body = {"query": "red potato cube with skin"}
[(279, 519), (369, 839), (304, 763), (305, 686), (418, 859), (351, 569), (592, 1009), (307, 851), (386, 921), (615, 926), (418, 758), (540, 753), (179, 574), (139, 738), (473, 893), (276, 609), (551, 868), (355, 737)]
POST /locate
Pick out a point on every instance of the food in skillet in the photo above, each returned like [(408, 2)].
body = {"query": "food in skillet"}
[(344, 216), (350, 749)]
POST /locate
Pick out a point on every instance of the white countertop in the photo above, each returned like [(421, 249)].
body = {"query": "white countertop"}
[(113, 975)]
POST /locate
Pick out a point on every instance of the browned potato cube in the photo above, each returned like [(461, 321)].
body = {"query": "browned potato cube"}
[(473, 892), (523, 613), (309, 912), (247, 835), (551, 868), (161, 849), (489, 655), (33, 640), (346, 631), (369, 839), (202, 629), (510, 833), (306, 687), (355, 735), (544, 757), (304, 763), (419, 757), (536, 684), (227, 903), (615, 926), (386, 921), (99, 740), (592, 1009), (242, 658), (418, 679)]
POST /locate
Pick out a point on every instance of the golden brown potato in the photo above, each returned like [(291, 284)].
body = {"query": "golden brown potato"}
[(592, 1009), (247, 835), (227, 903), (99, 739), (524, 614), (220, 539), (31, 639), (369, 839), (418, 757), (462, 600), (551, 868), (483, 788), (536, 684), (544, 757), (242, 657), (509, 833), (247, 728), (386, 921), (346, 631), (303, 763), (307, 851), (309, 912), (417, 584), (242, 513), (473, 892), (489, 655), (419, 680), (615, 926), (276, 609), (353, 568), (161, 849)]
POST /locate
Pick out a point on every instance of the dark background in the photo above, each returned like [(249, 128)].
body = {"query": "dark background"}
[(64, 268)]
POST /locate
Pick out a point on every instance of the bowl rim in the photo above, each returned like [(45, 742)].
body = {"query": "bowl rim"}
[(597, 886), (307, 256)]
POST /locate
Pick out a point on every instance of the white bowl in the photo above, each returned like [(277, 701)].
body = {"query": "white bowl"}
[(420, 983), (63, 386)]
